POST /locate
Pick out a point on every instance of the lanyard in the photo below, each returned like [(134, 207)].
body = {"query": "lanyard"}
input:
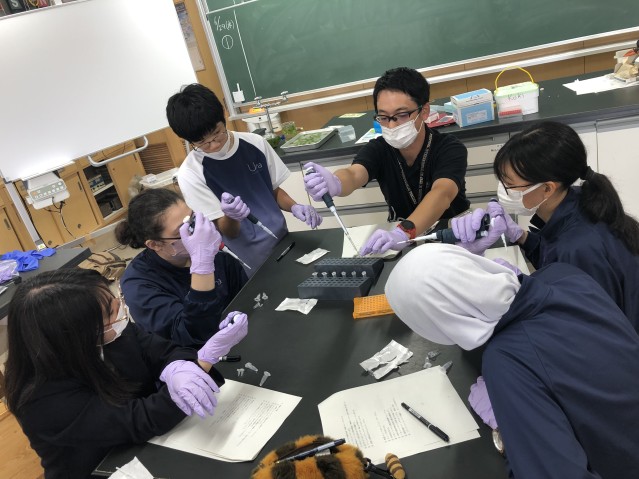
[(417, 200)]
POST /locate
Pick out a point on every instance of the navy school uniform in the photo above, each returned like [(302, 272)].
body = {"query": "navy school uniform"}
[(72, 429), (569, 237), (160, 298), (562, 374)]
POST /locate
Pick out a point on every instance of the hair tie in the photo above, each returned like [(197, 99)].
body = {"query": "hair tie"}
[(589, 174)]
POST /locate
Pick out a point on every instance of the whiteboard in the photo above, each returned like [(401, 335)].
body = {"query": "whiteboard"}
[(82, 76)]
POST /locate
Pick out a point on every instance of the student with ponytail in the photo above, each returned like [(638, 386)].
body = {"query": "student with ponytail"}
[(585, 226)]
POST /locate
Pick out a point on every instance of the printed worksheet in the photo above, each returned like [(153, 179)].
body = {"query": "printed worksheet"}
[(372, 416), (245, 418)]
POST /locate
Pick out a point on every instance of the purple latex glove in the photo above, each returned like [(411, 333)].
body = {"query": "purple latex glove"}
[(465, 227), (308, 214), (381, 241), (190, 387), (234, 207), (511, 267), (232, 330), (495, 230), (513, 230), (480, 402), (202, 245), (321, 182)]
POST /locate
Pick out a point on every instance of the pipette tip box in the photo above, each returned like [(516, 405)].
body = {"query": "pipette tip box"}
[(370, 306)]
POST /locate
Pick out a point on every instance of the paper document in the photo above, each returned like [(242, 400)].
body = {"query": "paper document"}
[(598, 84), (245, 418), (368, 136), (512, 254), (372, 418), (360, 235)]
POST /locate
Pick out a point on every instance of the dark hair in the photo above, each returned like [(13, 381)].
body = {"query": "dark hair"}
[(405, 80), (55, 324), (194, 112), (551, 151), (145, 216)]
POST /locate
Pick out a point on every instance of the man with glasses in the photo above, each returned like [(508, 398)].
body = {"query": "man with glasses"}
[(229, 175), (420, 171)]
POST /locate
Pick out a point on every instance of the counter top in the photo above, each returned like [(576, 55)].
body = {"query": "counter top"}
[(556, 102)]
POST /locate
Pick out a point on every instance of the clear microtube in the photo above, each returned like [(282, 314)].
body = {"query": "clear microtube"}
[(324, 274), (363, 274), (353, 274), (343, 274), (315, 274), (334, 274), (432, 354)]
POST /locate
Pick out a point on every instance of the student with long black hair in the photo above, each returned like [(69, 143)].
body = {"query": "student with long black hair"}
[(585, 226), (81, 378)]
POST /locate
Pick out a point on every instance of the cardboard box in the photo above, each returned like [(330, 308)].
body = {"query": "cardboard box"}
[(524, 95), (473, 107)]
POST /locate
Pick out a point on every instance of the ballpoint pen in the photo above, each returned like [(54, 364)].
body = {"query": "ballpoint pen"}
[(285, 252), (314, 451), (438, 432)]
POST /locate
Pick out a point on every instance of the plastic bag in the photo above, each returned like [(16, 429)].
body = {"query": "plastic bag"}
[(8, 270)]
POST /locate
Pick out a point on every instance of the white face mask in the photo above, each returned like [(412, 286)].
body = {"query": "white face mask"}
[(222, 152), (119, 325), (513, 201), (402, 136)]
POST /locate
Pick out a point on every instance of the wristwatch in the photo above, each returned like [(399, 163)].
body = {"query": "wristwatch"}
[(408, 227)]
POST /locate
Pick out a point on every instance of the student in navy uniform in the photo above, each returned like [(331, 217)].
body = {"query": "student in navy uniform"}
[(168, 292), (231, 174), (81, 379), (420, 171), (559, 360), (585, 226)]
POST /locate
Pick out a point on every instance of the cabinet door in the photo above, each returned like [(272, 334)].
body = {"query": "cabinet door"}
[(76, 218), (618, 158), (8, 239), (122, 171)]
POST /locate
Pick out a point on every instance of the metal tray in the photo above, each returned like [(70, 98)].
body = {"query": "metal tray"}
[(308, 140)]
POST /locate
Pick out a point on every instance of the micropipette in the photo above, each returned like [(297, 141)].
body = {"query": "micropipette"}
[(257, 222), (328, 201), (251, 217), (447, 235), (191, 221)]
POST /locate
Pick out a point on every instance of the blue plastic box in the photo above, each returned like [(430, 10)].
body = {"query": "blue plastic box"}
[(473, 107)]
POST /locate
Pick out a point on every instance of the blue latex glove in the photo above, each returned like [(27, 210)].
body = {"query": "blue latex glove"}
[(480, 402), (308, 214), (321, 182), (495, 230), (511, 267), (381, 241), (465, 227), (190, 387), (202, 245), (229, 335), (234, 207), (513, 230)]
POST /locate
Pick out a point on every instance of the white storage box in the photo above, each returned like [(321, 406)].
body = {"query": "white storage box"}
[(473, 107), (160, 180), (519, 96)]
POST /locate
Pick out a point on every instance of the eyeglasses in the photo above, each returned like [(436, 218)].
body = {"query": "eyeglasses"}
[(398, 118), (218, 138), (517, 186), (191, 224)]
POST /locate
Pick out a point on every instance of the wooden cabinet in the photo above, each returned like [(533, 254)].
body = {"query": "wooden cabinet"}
[(8, 238), (107, 185)]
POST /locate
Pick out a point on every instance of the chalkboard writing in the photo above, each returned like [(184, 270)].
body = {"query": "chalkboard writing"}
[(267, 46)]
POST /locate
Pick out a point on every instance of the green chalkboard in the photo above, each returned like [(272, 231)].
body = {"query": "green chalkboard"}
[(267, 46)]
